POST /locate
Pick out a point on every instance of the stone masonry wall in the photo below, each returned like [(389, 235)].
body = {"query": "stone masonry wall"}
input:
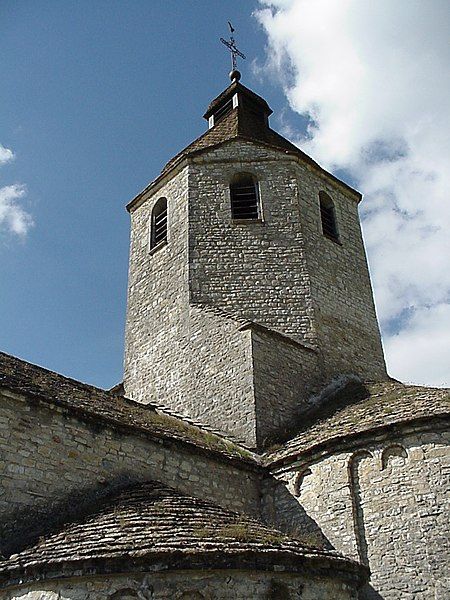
[(280, 272), (177, 355), (189, 585), (385, 503), (219, 387), (283, 272), (48, 458), (157, 311), (285, 374), (254, 269), (344, 311)]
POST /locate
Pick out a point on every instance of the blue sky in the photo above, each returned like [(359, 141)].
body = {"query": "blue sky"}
[(95, 98), (97, 95)]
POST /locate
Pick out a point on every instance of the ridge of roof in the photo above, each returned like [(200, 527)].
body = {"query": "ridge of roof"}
[(357, 409), (92, 403), (228, 128), (154, 523)]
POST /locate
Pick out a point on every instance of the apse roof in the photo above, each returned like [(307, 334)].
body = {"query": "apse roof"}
[(356, 409), (153, 524)]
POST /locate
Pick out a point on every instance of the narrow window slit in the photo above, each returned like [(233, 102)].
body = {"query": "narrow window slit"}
[(328, 216), (159, 223), (244, 197)]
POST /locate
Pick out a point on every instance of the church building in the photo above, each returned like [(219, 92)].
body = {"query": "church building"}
[(257, 449)]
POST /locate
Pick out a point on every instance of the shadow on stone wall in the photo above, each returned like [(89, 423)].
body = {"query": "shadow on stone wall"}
[(282, 510), (368, 593), (23, 527), (330, 398)]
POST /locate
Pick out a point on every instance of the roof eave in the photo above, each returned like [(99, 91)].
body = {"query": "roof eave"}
[(259, 560), (156, 183), (245, 458), (341, 442)]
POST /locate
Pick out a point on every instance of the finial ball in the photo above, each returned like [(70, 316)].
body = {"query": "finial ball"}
[(235, 75)]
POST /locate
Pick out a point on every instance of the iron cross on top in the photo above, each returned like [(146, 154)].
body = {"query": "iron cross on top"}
[(231, 45)]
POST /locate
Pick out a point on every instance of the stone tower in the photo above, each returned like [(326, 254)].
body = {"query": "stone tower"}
[(248, 282)]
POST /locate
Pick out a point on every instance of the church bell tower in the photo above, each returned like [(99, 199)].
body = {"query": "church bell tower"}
[(248, 281)]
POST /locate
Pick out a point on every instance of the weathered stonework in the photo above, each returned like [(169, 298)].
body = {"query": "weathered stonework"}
[(275, 355), (256, 270), (157, 309), (64, 461), (295, 457), (280, 272), (384, 502), (215, 585)]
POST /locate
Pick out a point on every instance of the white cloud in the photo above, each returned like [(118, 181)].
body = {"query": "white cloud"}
[(14, 219), (373, 80), (5, 155), (419, 354)]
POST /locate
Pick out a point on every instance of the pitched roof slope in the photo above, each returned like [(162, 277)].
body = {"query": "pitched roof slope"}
[(153, 523), (96, 404), (358, 408)]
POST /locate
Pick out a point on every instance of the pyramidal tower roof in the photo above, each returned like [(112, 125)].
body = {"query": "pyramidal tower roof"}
[(238, 113)]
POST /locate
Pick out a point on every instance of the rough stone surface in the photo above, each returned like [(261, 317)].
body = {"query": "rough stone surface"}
[(279, 272), (159, 524), (193, 585), (51, 461), (108, 408), (152, 526), (358, 407), (254, 269), (385, 502), (258, 333), (279, 400)]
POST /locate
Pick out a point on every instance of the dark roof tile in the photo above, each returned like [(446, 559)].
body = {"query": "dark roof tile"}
[(358, 408), (153, 521), (240, 123)]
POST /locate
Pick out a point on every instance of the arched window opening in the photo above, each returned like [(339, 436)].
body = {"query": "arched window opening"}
[(328, 216), (159, 223), (244, 197), (393, 456)]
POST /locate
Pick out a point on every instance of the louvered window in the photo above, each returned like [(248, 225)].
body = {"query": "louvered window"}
[(244, 197), (328, 216), (159, 223), (223, 110)]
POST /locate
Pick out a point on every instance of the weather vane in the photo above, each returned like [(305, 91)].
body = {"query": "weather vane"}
[(231, 45)]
